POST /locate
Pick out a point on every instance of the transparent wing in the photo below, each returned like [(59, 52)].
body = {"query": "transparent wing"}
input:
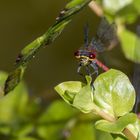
[(106, 33), (96, 45)]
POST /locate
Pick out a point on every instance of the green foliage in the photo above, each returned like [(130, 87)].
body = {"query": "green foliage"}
[(111, 97), (24, 119), (118, 126), (125, 12), (77, 94), (111, 88), (137, 5), (107, 100), (130, 45), (115, 5)]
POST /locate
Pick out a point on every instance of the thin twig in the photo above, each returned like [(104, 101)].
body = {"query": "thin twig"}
[(96, 8), (112, 119)]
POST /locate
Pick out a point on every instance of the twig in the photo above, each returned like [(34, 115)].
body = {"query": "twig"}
[(96, 8), (33, 48), (112, 119)]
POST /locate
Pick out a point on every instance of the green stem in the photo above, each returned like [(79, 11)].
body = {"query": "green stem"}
[(29, 52), (112, 119)]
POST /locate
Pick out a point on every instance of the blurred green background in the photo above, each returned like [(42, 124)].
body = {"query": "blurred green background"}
[(23, 21), (25, 110)]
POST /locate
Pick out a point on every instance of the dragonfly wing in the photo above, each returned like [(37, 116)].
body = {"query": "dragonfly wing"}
[(96, 45), (106, 33)]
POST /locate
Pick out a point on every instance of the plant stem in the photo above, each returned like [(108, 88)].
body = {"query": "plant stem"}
[(112, 119), (129, 134), (96, 8), (103, 114), (30, 51)]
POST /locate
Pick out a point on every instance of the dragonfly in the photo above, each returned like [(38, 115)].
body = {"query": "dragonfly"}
[(87, 56)]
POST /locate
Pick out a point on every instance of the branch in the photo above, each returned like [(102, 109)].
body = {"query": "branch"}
[(29, 52), (96, 8)]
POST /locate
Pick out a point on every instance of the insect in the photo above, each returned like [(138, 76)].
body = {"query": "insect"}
[(87, 56)]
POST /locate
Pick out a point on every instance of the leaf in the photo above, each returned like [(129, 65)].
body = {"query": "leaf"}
[(135, 128), (116, 5), (25, 138), (84, 100), (130, 44), (22, 130), (52, 121), (13, 79), (118, 137), (101, 135), (73, 3), (114, 93), (128, 14), (3, 76), (13, 104), (118, 126), (136, 3), (77, 94), (79, 129), (63, 111), (68, 90)]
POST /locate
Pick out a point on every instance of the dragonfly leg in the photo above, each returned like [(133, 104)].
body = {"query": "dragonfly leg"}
[(88, 70), (95, 67), (79, 70)]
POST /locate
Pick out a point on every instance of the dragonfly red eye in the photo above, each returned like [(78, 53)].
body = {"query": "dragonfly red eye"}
[(77, 54), (92, 56)]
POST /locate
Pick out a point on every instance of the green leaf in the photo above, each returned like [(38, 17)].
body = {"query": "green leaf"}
[(114, 93), (84, 99), (13, 79), (136, 3), (25, 138), (116, 5), (130, 44), (52, 121), (63, 111), (128, 14), (79, 129), (3, 76), (118, 126), (14, 104), (118, 137), (22, 130), (74, 3), (77, 94), (135, 128), (68, 90), (88, 79)]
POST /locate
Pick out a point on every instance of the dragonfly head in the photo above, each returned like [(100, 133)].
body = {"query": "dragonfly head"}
[(85, 57)]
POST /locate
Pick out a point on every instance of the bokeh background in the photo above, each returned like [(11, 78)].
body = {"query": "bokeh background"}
[(23, 21)]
